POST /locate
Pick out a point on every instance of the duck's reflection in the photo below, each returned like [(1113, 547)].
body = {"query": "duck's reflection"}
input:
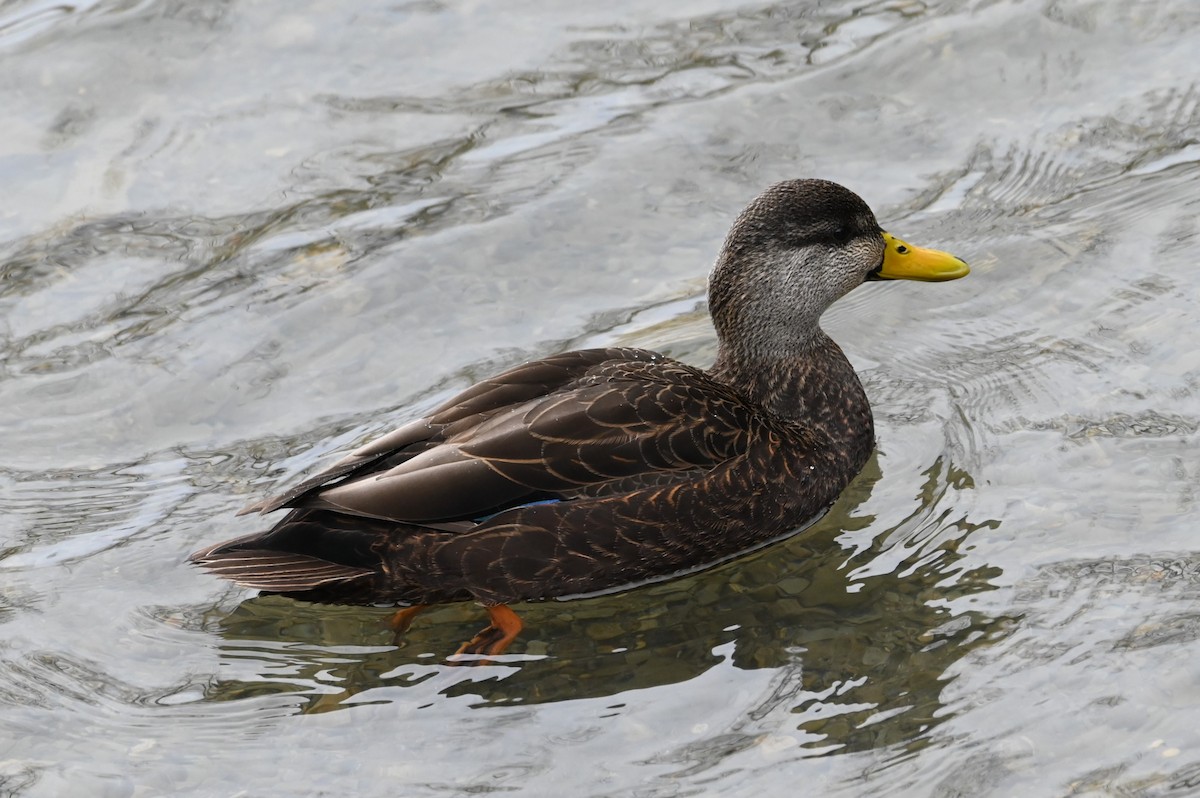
[(863, 650)]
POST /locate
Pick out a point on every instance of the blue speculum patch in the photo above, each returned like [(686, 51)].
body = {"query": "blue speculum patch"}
[(481, 519)]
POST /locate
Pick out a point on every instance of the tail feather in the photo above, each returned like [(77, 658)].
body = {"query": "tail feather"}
[(275, 571), (303, 552)]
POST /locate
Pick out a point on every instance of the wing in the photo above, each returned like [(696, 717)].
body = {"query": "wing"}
[(582, 423), (475, 404)]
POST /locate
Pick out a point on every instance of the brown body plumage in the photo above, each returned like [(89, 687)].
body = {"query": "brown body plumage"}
[(603, 468)]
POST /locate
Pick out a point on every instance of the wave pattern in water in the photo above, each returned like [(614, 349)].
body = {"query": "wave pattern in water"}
[(212, 282)]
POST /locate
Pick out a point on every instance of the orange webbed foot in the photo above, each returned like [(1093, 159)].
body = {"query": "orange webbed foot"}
[(493, 640), (403, 619)]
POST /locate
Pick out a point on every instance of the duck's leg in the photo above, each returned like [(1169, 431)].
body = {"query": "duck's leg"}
[(495, 638), (403, 619)]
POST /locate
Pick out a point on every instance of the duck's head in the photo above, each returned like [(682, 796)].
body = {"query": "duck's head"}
[(796, 249)]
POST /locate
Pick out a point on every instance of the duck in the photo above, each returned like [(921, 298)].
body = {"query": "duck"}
[(603, 469)]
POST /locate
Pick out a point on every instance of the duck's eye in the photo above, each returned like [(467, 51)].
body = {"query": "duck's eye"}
[(841, 233)]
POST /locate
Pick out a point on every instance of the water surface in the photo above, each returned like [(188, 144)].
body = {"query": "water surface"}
[(239, 238)]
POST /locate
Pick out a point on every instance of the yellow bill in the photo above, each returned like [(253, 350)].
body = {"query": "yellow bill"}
[(903, 261)]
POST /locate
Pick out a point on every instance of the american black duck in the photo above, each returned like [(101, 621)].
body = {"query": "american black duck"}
[(603, 468)]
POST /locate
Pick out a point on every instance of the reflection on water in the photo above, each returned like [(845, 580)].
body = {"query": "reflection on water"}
[(861, 642), (242, 237)]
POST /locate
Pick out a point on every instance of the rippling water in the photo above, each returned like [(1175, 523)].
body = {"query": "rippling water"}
[(238, 238)]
